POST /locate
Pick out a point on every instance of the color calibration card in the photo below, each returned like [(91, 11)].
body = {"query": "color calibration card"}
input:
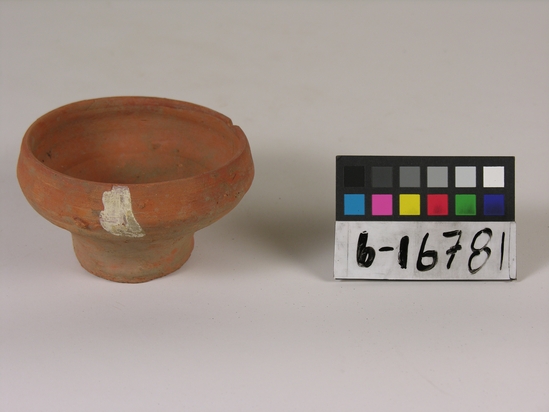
[(408, 217)]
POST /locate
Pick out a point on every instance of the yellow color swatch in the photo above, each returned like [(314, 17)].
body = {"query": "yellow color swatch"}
[(409, 205)]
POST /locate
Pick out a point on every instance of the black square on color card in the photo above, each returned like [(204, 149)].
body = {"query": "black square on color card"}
[(353, 176), (382, 176)]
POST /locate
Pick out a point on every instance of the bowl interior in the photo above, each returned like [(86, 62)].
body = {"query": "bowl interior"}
[(133, 144)]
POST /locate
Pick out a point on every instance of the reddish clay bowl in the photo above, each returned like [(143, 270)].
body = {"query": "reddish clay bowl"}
[(133, 178)]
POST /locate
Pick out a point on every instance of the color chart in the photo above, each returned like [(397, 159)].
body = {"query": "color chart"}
[(425, 217)]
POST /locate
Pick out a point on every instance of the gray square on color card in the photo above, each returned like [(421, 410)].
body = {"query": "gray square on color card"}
[(409, 176), (437, 176), (382, 176), (466, 176)]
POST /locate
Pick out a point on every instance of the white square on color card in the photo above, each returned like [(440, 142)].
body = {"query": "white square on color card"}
[(494, 176), (466, 176)]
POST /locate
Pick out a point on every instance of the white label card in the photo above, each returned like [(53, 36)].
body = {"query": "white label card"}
[(425, 250)]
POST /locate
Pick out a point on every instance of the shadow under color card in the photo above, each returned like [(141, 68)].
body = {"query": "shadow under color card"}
[(425, 217)]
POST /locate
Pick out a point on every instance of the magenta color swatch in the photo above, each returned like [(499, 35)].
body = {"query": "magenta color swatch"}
[(382, 205)]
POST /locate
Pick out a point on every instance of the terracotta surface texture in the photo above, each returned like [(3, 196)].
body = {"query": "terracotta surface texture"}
[(133, 178)]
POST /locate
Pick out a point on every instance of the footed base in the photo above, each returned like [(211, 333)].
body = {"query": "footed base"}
[(132, 260)]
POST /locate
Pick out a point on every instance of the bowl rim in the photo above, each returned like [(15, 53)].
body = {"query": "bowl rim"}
[(115, 101)]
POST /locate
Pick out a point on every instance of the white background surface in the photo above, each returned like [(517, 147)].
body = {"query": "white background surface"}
[(254, 321)]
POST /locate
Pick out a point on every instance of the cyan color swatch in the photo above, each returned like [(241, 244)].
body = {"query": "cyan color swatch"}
[(354, 205)]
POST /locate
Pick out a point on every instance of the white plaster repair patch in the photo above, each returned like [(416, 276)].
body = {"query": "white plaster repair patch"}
[(117, 217)]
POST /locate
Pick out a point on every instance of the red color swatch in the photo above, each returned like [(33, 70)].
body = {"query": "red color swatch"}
[(437, 205)]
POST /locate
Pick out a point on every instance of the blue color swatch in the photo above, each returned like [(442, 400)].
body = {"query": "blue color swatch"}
[(494, 205), (354, 205)]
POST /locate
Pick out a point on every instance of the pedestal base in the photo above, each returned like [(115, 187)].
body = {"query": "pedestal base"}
[(131, 260)]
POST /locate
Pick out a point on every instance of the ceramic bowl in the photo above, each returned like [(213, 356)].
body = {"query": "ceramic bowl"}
[(133, 178)]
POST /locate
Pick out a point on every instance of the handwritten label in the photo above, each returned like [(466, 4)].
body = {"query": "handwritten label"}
[(425, 250)]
